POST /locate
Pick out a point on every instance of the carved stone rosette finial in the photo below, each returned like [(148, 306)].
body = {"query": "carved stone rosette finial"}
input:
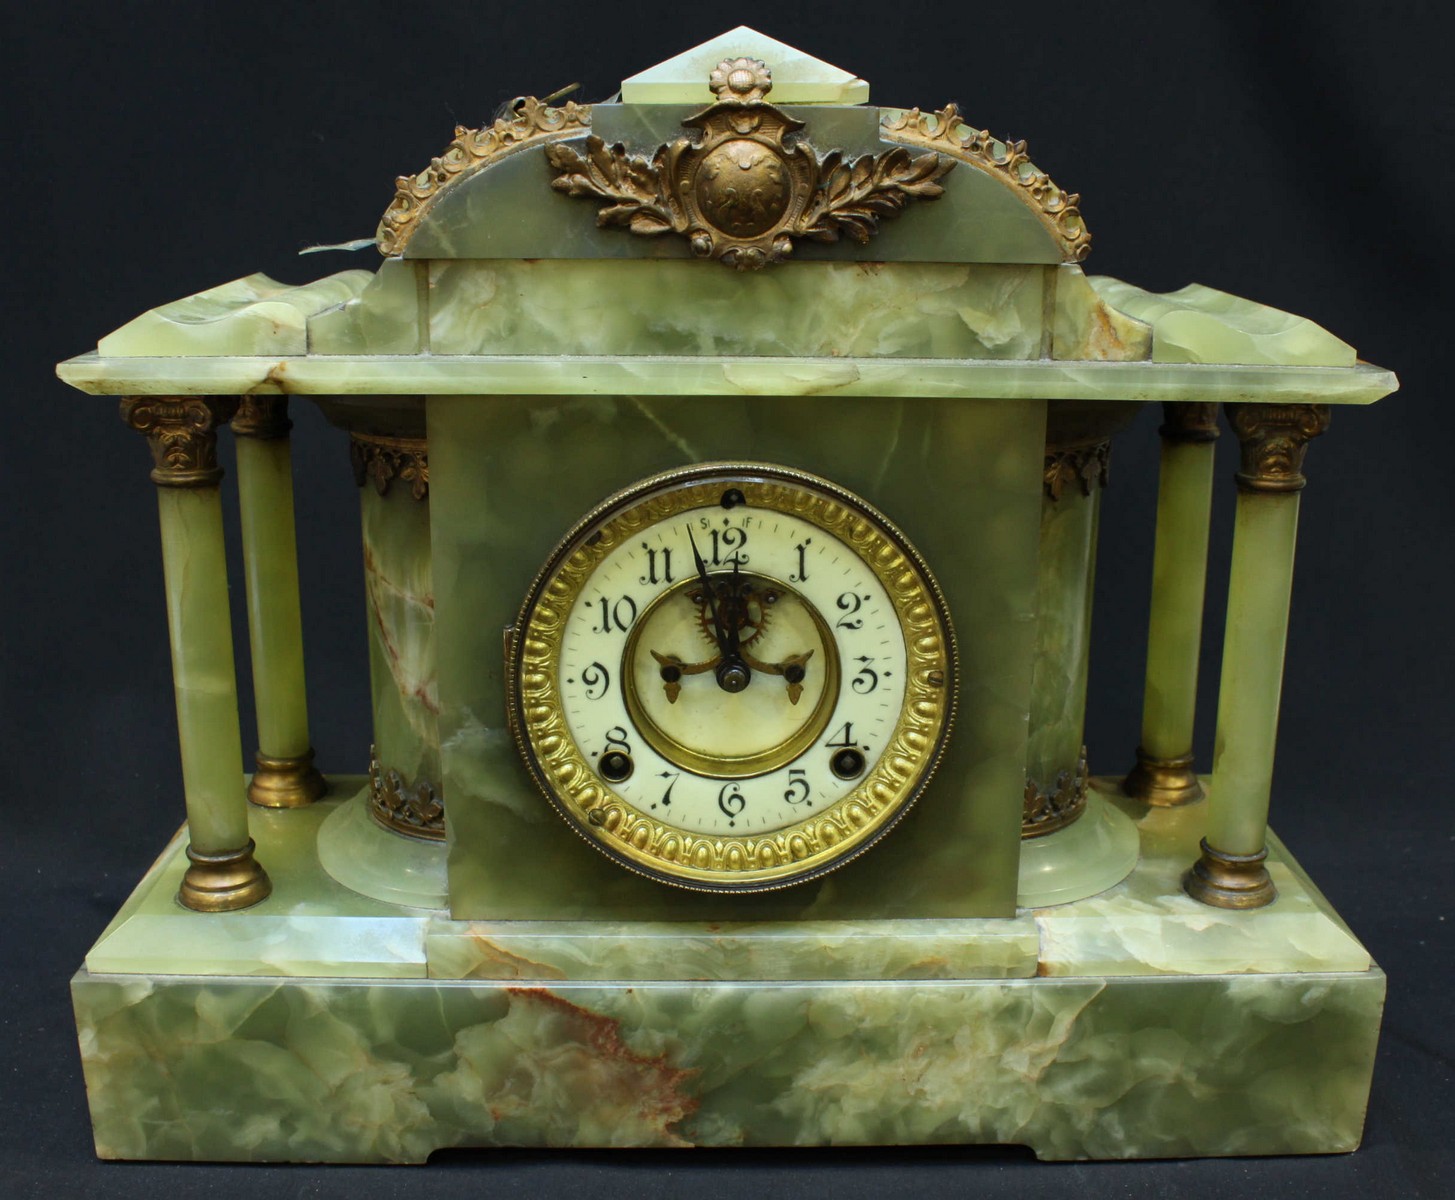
[(1189, 422), (381, 460), (262, 417), (1083, 467), (181, 432), (1274, 439), (741, 78)]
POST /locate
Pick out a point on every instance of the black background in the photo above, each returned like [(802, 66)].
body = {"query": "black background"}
[(1295, 154)]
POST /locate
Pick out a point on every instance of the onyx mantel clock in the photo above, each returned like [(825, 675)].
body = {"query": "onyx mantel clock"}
[(730, 458)]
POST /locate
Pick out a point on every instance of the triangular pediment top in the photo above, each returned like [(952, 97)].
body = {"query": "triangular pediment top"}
[(798, 78)]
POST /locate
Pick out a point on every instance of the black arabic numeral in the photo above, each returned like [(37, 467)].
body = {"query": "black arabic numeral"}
[(729, 542), (731, 801), (597, 680), (867, 679), (617, 617), (651, 577), (673, 777), (798, 789), (616, 740), (802, 549), (849, 604), (845, 738)]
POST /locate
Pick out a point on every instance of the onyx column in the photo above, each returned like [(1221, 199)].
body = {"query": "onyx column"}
[(1273, 438), (1165, 774), (285, 775), (182, 432)]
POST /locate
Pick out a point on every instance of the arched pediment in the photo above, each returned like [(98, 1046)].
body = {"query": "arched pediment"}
[(843, 181)]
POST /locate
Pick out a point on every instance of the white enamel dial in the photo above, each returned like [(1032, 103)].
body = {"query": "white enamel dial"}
[(715, 761), (734, 676)]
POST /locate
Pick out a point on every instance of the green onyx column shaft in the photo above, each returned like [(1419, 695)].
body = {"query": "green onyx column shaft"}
[(285, 775), (1273, 438), (1164, 774), (1055, 792), (404, 768), (182, 433)]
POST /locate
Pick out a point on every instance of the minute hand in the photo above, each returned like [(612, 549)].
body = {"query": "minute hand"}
[(719, 633)]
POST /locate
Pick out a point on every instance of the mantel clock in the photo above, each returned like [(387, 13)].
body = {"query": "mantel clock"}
[(730, 459)]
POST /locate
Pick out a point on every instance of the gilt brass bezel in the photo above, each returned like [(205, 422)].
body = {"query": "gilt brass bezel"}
[(794, 853)]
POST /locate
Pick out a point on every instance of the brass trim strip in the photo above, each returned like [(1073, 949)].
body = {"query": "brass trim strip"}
[(381, 460), (945, 131), (530, 121), (413, 809), (1046, 812), (1086, 467)]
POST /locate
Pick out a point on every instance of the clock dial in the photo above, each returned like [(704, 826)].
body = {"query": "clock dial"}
[(733, 677)]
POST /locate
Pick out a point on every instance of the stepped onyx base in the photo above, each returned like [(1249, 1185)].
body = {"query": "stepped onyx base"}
[(1133, 1024)]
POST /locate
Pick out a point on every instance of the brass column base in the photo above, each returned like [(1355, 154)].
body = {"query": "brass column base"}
[(286, 782), (1163, 782), (224, 882), (1230, 880)]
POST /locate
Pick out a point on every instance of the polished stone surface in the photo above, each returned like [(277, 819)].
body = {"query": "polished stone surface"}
[(254, 315), (1063, 634), (1149, 925), (270, 570), (557, 375), (358, 852), (1094, 853), (798, 78), (384, 316), (399, 599), (310, 926), (226, 337), (509, 479), (1143, 925), (1136, 1023), (354, 1071), (1003, 948), (820, 310), (508, 211), (1198, 324)]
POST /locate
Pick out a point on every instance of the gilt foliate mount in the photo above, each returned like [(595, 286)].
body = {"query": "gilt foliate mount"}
[(686, 188), (746, 186)]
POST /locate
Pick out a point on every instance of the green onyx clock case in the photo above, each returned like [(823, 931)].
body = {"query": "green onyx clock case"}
[(730, 457)]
